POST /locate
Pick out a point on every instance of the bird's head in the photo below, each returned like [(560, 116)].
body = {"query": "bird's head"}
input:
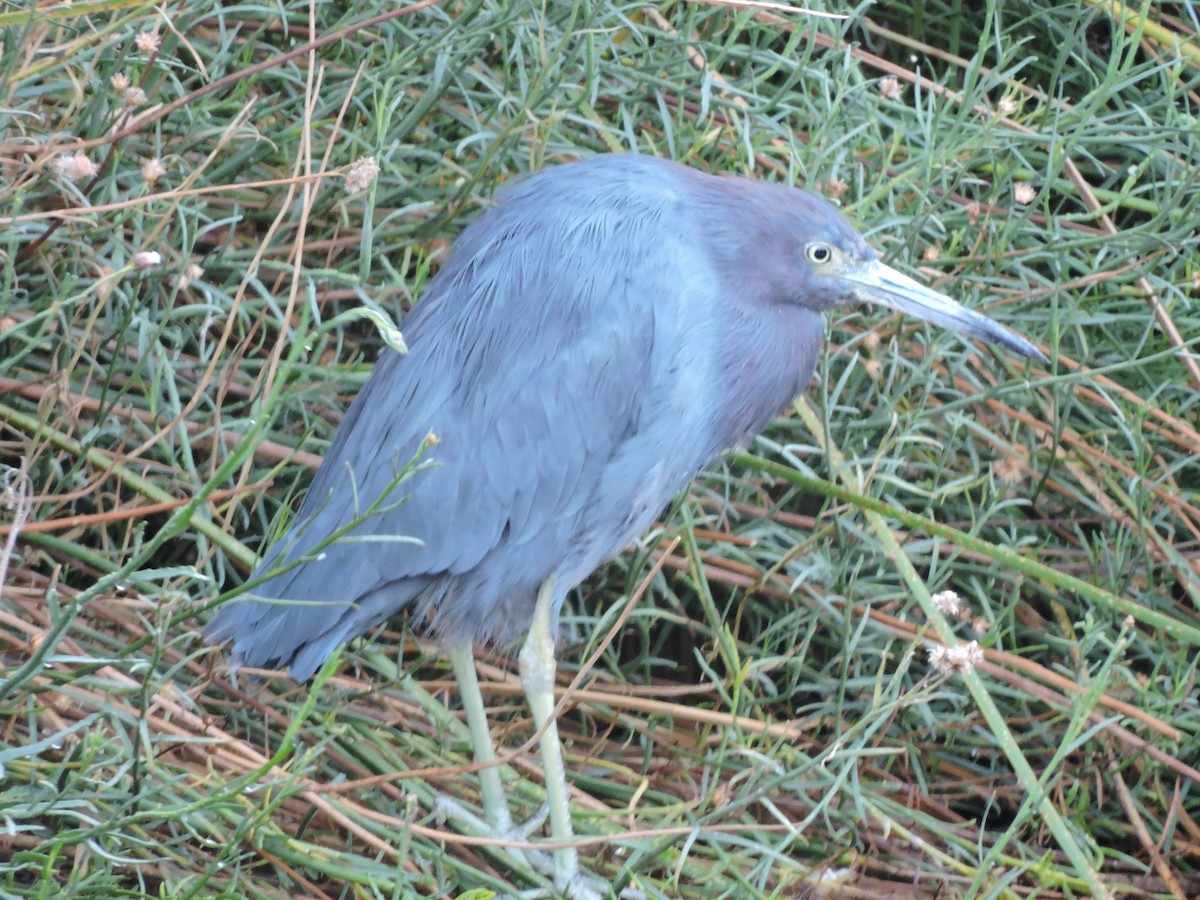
[(802, 251), (850, 272)]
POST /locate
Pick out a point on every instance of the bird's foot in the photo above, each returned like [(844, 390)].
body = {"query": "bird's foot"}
[(582, 886), (448, 809), (562, 865), (570, 881)]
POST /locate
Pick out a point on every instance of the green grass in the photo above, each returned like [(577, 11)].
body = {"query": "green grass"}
[(764, 709)]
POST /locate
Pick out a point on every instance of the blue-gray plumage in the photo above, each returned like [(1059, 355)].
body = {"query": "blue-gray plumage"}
[(592, 341)]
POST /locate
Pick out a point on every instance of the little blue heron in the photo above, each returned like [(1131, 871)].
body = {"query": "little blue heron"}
[(592, 341)]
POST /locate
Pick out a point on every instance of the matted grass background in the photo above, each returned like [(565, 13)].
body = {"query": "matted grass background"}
[(763, 715)]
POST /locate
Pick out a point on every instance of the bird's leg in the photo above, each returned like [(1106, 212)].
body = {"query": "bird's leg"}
[(537, 677), (495, 803)]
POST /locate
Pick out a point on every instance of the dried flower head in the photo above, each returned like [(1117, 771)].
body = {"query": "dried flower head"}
[(1024, 193), (889, 88), (75, 166), (872, 341), (119, 82), (1007, 106), (1012, 469), (932, 253), (981, 625), (188, 275), (147, 259), (946, 660), (948, 603), (835, 188), (134, 96), (148, 42), (974, 210), (152, 170), (361, 174)]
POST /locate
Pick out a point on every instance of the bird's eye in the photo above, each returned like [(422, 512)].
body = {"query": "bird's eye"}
[(818, 254)]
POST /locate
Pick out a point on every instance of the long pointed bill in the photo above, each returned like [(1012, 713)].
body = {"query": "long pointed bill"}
[(882, 285)]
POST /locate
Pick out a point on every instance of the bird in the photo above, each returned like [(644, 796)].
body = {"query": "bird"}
[(596, 337)]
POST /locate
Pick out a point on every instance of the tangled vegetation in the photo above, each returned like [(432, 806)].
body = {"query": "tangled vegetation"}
[(936, 632)]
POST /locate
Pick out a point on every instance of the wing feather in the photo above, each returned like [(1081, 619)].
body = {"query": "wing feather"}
[(534, 357)]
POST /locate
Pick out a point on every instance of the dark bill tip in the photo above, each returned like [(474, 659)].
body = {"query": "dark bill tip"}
[(882, 285)]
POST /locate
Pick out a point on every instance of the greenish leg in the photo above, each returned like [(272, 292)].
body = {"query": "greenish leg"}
[(537, 677), (537, 666), (495, 803)]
